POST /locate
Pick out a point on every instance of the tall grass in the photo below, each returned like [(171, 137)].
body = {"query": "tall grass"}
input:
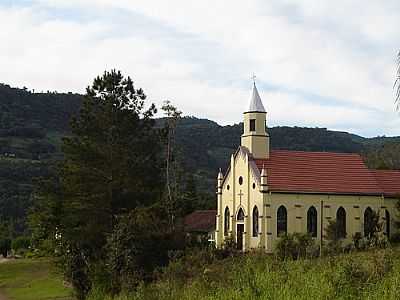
[(367, 275)]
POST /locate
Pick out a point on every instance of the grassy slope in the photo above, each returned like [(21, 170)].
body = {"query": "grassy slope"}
[(369, 275), (30, 279)]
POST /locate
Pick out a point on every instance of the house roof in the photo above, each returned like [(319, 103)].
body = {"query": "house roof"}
[(255, 104), (389, 180), (200, 221), (319, 172)]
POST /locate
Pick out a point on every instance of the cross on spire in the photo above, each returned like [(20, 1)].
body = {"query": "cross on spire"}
[(254, 78)]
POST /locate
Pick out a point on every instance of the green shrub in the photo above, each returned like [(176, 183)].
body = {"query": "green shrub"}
[(21, 245), (229, 248), (138, 245), (295, 246)]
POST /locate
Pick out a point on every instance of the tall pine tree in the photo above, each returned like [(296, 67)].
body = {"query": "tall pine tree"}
[(112, 165)]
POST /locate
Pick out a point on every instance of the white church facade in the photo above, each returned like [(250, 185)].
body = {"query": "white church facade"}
[(265, 193)]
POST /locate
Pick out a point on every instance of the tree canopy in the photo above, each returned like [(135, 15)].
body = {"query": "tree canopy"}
[(111, 166)]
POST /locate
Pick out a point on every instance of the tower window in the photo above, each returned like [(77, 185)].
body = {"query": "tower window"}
[(253, 125)]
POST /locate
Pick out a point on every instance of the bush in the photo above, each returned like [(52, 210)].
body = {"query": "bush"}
[(334, 243), (295, 246), (228, 249), (21, 245), (189, 265), (138, 245)]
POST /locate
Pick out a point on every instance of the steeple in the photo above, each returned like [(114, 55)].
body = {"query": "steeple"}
[(255, 104), (255, 137)]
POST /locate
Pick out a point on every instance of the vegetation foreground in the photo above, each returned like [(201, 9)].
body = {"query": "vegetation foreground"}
[(362, 275), (32, 279)]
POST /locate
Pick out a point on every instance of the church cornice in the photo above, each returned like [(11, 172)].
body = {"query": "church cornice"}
[(253, 112), (326, 193), (259, 135)]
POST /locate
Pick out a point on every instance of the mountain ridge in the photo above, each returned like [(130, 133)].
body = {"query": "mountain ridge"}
[(32, 126)]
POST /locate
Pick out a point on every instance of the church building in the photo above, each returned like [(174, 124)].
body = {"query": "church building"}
[(266, 193)]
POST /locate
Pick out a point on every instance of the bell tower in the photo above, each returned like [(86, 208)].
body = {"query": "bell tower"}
[(255, 137)]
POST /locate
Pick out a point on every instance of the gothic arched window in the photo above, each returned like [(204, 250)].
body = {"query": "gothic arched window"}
[(368, 222), (312, 221), (240, 215), (255, 221), (281, 221), (387, 219), (341, 223), (227, 218)]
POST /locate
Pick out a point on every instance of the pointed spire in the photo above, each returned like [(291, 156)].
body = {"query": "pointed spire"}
[(263, 171), (264, 179), (255, 104), (220, 179), (220, 175)]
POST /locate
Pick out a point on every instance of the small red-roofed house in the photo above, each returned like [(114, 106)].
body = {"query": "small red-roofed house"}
[(200, 225), (266, 193)]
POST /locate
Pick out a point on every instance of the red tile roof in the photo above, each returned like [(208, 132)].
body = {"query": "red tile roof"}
[(200, 221), (319, 172), (389, 180)]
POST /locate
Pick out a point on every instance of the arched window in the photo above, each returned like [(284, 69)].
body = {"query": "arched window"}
[(312, 221), (281, 221), (240, 215), (341, 223), (255, 221), (387, 219), (368, 222), (227, 219)]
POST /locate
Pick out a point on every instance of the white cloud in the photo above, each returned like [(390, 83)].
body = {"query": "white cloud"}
[(330, 64)]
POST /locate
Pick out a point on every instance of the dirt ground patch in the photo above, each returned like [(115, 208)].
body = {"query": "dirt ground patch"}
[(2, 297)]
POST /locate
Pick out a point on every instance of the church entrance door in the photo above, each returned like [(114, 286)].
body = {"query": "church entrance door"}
[(239, 239)]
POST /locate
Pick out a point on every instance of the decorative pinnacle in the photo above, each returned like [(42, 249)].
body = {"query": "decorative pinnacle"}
[(220, 176), (263, 171)]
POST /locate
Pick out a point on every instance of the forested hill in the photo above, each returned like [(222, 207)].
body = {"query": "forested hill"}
[(206, 146), (32, 125)]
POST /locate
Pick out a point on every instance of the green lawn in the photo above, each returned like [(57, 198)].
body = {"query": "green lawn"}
[(32, 279)]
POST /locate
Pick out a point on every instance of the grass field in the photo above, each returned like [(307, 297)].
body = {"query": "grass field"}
[(372, 275), (32, 279)]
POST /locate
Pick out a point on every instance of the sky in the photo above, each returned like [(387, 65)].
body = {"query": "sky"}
[(327, 64)]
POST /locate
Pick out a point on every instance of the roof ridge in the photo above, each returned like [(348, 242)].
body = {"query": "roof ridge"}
[(385, 170), (322, 152)]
